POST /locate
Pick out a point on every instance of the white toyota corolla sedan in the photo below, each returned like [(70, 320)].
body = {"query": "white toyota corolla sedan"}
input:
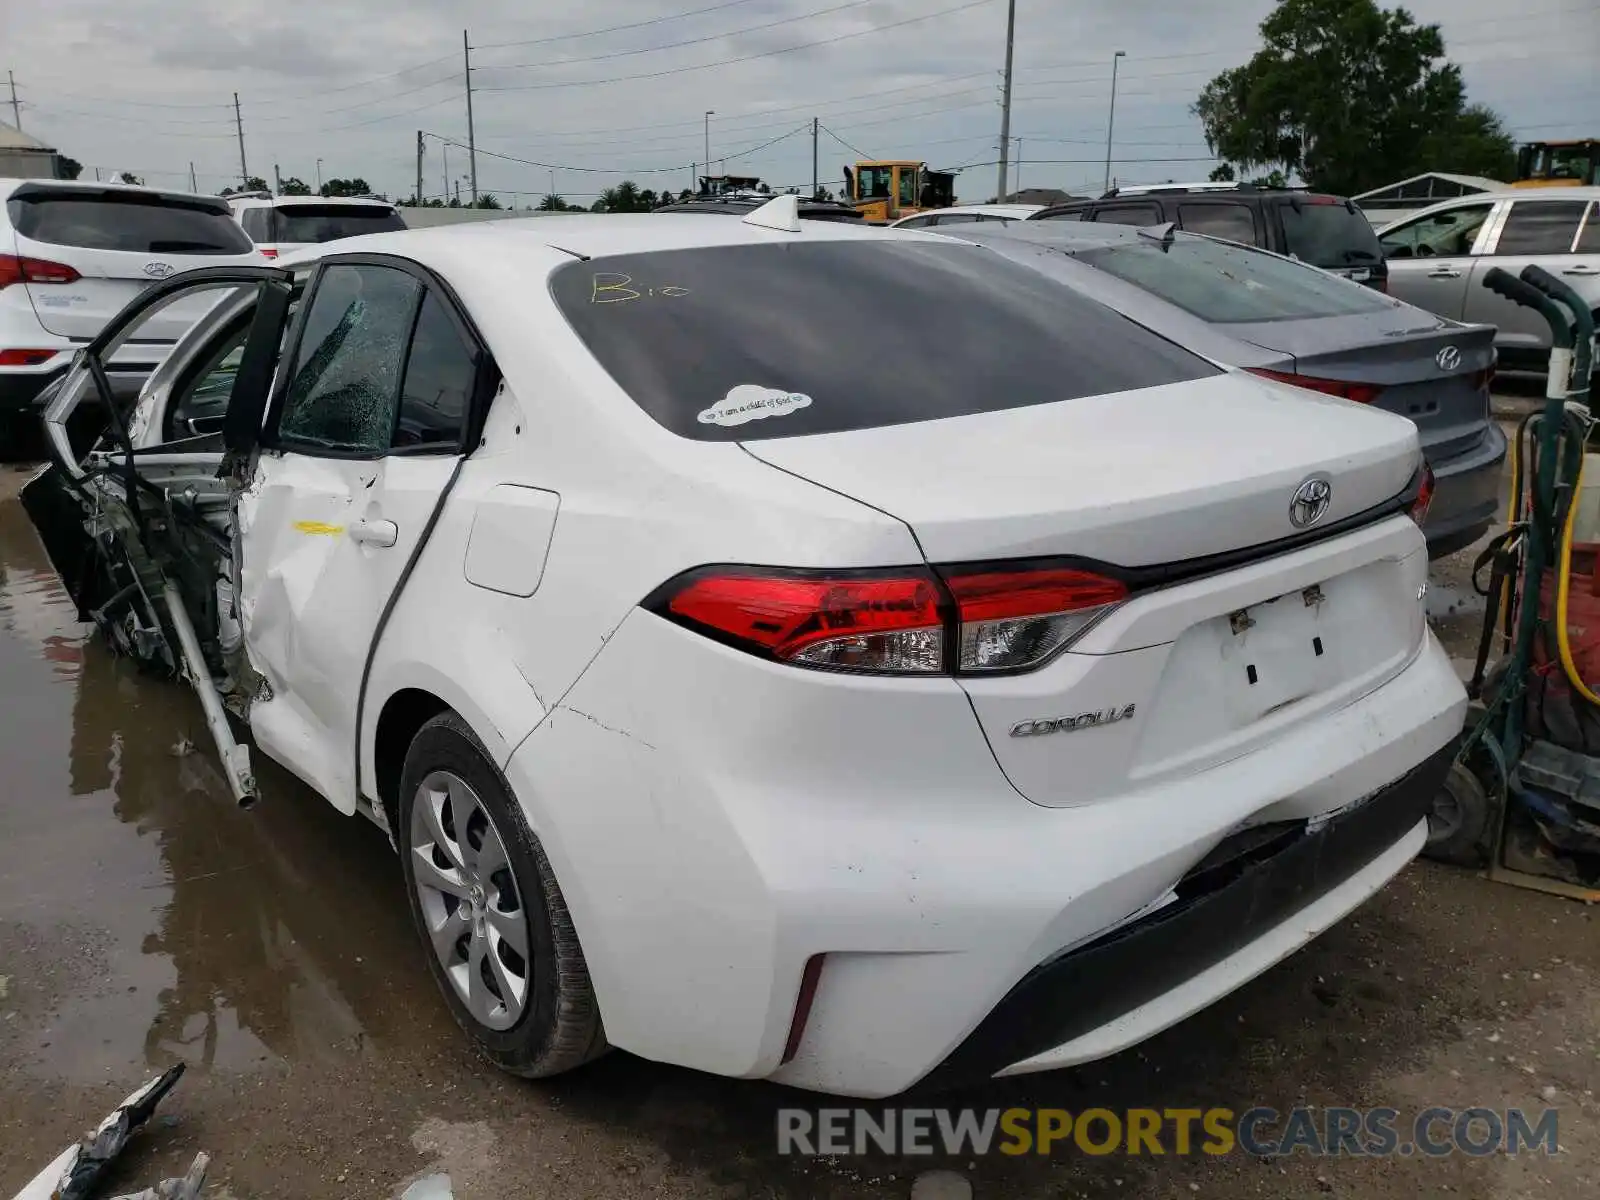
[(837, 656)]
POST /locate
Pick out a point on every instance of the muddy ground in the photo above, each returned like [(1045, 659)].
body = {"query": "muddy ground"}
[(145, 921)]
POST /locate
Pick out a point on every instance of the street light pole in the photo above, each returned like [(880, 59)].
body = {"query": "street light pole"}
[(319, 175), (710, 112), (1111, 119)]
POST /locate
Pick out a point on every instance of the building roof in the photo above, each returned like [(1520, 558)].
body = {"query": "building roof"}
[(12, 138)]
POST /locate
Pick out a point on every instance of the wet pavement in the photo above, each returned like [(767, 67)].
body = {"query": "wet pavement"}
[(144, 920)]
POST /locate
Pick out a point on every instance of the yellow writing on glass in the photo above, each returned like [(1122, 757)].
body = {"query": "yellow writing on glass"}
[(613, 287)]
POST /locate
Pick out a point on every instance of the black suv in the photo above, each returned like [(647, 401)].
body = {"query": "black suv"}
[(1325, 231)]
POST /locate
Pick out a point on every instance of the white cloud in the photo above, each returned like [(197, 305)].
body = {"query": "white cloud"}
[(147, 85)]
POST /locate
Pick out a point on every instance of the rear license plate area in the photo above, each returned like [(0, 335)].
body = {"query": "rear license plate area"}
[(1275, 653)]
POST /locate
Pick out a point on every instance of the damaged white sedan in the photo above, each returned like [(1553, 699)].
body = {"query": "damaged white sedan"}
[(838, 656)]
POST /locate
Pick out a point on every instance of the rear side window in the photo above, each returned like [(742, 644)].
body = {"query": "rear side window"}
[(257, 223), (1327, 234), (440, 372), (1130, 214), (1230, 284), (739, 343), (1231, 221), (330, 222), (1540, 227), (131, 222)]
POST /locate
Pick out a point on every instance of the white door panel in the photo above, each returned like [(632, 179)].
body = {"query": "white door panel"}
[(323, 544)]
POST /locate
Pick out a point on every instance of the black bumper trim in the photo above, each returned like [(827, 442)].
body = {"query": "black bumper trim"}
[(1248, 886)]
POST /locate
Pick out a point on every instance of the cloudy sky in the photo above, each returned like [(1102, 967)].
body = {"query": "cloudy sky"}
[(600, 90)]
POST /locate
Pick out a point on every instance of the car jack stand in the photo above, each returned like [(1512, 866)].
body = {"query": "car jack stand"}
[(1497, 753)]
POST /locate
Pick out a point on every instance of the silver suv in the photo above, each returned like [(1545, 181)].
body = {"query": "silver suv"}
[(1438, 258)]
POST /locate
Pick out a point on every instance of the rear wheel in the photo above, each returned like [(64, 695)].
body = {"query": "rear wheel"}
[(1459, 825), (494, 925)]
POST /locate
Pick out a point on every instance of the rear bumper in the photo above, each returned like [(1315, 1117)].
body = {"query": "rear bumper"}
[(1467, 495), (716, 822), (1240, 910)]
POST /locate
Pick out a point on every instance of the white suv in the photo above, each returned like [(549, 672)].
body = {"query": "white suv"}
[(284, 224), (73, 254)]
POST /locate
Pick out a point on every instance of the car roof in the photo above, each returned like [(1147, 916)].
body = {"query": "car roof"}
[(1056, 233), (1577, 192), (589, 235), (8, 186), (319, 201)]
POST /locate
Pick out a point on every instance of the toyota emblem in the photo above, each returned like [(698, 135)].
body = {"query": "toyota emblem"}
[(1448, 359), (1311, 501), (158, 270)]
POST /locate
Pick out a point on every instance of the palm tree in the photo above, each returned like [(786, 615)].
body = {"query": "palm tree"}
[(552, 203)]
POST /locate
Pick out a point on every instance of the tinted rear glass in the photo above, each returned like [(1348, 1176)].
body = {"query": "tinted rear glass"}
[(134, 223), (330, 222), (1329, 235), (737, 343), (1228, 284)]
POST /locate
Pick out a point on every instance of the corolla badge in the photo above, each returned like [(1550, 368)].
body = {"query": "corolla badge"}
[(158, 270), (1088, 720), (1311, 501), (1448, 359)]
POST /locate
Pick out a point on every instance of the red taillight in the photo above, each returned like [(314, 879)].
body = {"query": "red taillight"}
[(1361, 393), (14, 269), (267, 252), (1419, 506), (25, 358), (890, 622), (809, 979), (897, 623), (1012, 620)]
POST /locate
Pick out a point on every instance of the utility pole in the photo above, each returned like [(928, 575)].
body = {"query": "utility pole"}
[(319, 176), (472, 144), (277, 179), (815, 126), (193, 186), (238, 124), (1019, 164), (16, 109), (458, 193), (710, 112), (420, 149), (1005, 104), (1111, 118)]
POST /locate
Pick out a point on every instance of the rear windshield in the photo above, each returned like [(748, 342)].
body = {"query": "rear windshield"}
[(140, 224), (1226, 284), (330, 222), (738, 343), (1329, 235)]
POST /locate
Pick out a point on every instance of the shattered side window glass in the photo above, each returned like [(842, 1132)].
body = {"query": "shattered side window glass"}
[(346, 383)]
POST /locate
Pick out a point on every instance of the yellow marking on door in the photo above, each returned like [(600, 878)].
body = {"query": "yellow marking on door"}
[(318, 528)]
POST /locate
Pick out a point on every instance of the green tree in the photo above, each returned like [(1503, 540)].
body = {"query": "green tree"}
[(346, 187), (1349, 96), (599, 205), (295, 186), (487, 200), (552, 203), (68, 168)]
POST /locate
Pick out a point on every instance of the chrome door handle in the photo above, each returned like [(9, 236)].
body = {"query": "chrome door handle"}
[(381, 534), (1581, 271), (1444, 273)]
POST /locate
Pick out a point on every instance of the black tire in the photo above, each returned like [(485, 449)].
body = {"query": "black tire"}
[(1459, 825), (560, 1028)]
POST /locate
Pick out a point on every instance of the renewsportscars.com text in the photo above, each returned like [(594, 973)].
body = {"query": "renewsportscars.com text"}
[(1264, 1132)]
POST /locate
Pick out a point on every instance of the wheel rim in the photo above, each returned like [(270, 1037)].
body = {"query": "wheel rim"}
[(475, 919)]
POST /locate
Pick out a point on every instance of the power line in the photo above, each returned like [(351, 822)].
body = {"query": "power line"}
[(711, 37), (846, 145), (567, 37), (746, 152), (943, 12)]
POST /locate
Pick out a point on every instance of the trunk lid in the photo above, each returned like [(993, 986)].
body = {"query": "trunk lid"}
[(1433, 371), (120, 241), (1154, 476), (1206, 660)]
